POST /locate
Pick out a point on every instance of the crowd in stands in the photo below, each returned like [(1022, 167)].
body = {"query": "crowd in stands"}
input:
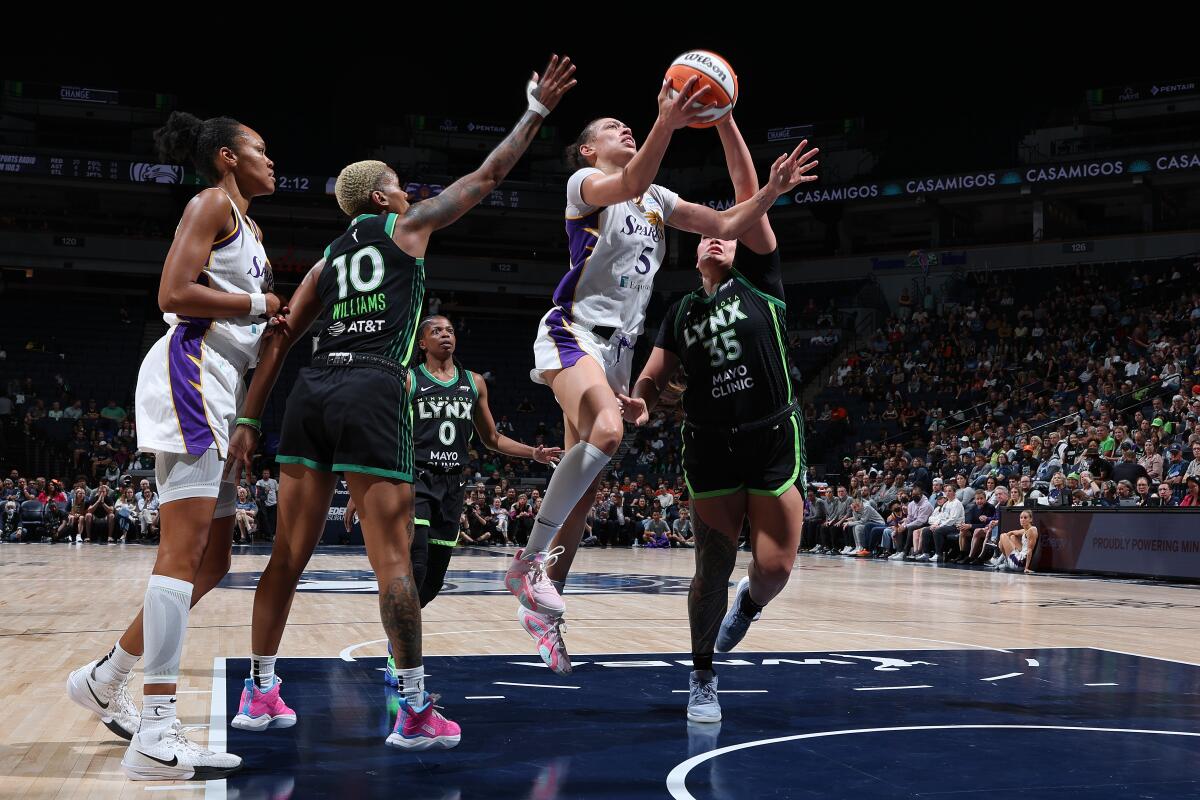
[(1066, 388), (630, 511)]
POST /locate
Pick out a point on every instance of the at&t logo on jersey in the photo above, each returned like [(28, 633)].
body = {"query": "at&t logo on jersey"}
[(336, 329), (366, 326)]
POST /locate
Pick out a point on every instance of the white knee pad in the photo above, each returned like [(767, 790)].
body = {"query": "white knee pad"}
[(164, 624)]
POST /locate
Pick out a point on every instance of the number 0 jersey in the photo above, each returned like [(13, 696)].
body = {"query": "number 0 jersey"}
[(371, 292), (733, 345), (443, 419)]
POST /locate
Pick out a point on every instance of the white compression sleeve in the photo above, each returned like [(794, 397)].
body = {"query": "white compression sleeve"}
[(164, 623), (575, 473)]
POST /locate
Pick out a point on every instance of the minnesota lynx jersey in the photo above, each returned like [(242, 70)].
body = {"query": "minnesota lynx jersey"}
[(371, 292), (443, 414)]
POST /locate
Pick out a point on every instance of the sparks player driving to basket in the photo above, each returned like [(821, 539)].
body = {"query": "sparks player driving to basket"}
[(743, 433), (616, 222), (350, 412)]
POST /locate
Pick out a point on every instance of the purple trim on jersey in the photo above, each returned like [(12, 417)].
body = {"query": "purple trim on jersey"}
[(580, 242), (565, 342), (185, 382), (232, 237)]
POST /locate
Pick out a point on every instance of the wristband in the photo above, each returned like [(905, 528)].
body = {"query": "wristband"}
[(258, 304), (534, 105), (250, 423)]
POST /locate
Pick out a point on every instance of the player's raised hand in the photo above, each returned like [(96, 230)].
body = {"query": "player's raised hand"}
[(555, 81)]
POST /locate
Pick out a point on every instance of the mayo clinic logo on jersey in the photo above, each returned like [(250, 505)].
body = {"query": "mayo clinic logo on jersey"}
[(155, 173), (471, 582)]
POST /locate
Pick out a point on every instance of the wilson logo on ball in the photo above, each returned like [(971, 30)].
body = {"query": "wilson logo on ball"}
[(710, 70)]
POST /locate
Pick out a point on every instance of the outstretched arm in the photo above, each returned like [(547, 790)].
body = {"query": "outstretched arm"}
[(492, 439), (658, 370), (788, 171), (458, 198), (759, 237), (305, 306), (635, 177)]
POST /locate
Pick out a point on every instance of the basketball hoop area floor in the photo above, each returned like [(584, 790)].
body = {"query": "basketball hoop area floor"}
[(862, 680)]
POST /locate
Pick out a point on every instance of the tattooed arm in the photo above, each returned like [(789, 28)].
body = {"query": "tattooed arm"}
[(716, 552), (427, 216), (492, 439)]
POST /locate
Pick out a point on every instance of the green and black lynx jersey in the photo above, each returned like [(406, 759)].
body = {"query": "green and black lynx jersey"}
[(732, 344), (371, 292), (443, 418)]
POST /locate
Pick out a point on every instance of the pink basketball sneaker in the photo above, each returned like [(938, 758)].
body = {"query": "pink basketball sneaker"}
[(526, 579), (547, 631), (258, 710), (423, 728)]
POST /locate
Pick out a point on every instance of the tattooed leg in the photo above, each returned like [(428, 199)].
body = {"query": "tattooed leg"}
[(716, 523), (400, 613), (383, 505)]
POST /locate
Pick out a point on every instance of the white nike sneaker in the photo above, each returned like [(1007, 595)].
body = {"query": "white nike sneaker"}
[(166, 754), (108, 701)]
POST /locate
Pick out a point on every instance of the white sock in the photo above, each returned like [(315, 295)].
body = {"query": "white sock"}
[(116, 666), (158, 712), (262, 671), (412, 685), (164, 623), (575, 473)]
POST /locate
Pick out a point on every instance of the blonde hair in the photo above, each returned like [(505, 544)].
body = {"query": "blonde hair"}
[(355, 183)]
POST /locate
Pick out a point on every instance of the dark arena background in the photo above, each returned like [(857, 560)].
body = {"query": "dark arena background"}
[(992, 297)]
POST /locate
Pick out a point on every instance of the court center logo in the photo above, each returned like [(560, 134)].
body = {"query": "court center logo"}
[(472, 582)]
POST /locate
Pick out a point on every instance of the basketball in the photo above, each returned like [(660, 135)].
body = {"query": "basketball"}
[(712, 71)]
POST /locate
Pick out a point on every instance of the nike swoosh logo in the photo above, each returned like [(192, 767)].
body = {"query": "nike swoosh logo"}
[(428, 389), (93, 693), (173, 762)]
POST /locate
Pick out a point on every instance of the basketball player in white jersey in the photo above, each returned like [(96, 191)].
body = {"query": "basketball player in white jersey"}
[(215, 296), (616, 228)]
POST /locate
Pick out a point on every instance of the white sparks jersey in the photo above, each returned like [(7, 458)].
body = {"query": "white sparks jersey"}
[(237, 264), (615, 253)]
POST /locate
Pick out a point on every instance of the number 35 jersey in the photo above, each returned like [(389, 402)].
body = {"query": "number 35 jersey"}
[(733, 344), (443, 419), (371, 292)]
